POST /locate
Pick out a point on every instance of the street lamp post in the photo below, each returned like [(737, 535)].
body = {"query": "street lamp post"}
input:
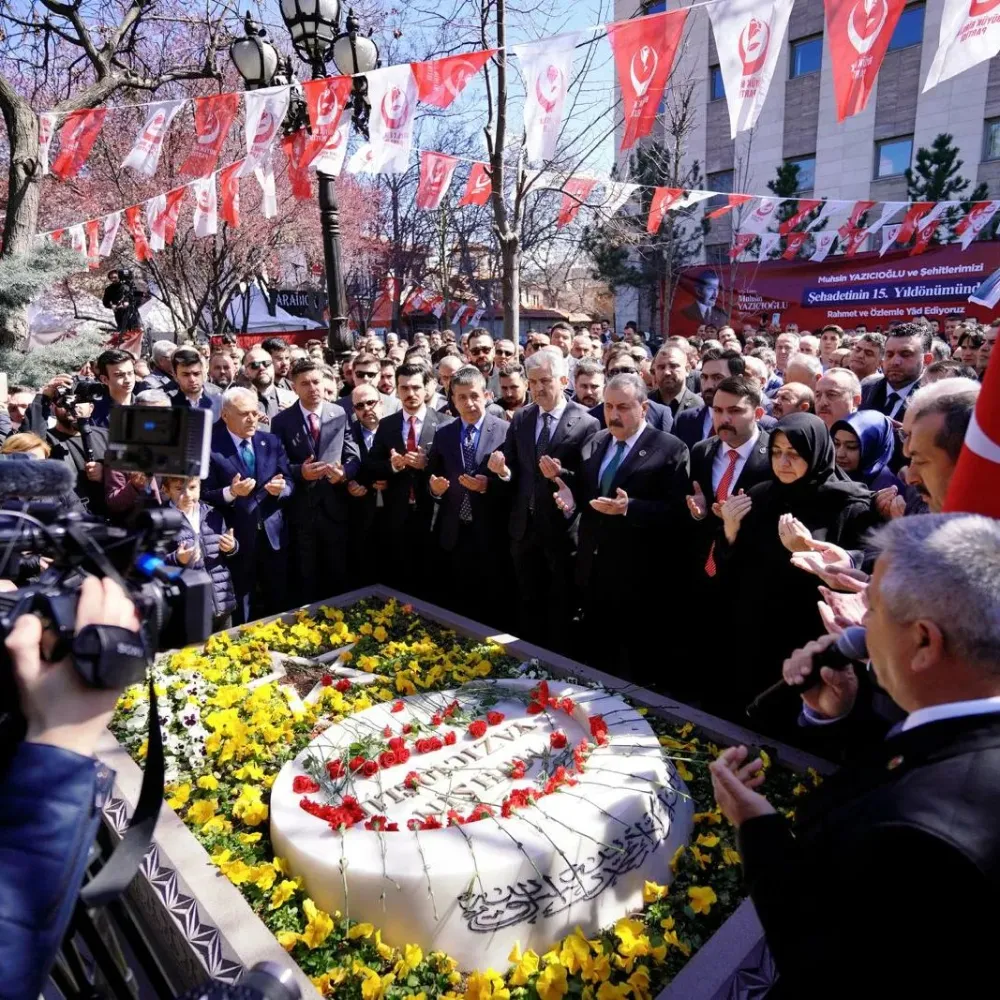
[(313, 27)]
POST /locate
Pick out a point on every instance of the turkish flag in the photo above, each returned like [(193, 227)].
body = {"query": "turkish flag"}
[(644, 49), (664, 199), (793, 244), (575, 192), (478, 187), (733, 201), (916, 211), (858, 32), (213, 117), (133, 223), (229, 189), (326, 100), (802, 209), (436, 172), (440, 81), (860, 207), (740, 243), (76, 139)]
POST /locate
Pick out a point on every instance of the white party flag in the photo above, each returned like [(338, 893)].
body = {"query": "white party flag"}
[(330, 159), (206, 206), (365, 159), (111, 224), (970, 34), (156, 208), (144, 156), (889, 234), (78, 238), (547, 67), (824, 240), (264, 172), (265, 111), (616, 195), (763, 214), (769, 242), (392, 93), (46, 128)]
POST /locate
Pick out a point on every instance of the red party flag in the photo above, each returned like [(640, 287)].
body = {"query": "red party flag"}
[(575, 192), (440, 81), (213, 117), (229, 193), (133, 223), (733, 201), (76, 139), (326, 100), (793, 244), (740, 243), (478, 187), (860, 207), (436, 172), (663, 199), (916, 211), (802, 209), (924, 235)]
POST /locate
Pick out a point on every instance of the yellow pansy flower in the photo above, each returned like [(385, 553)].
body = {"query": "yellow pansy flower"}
[(702, 898), (385, 952), (704, 840), (551, 984), (319, 927), (715, 816), (236, 871), (731, 857), (287, 939), (179, 797), (380, 634), (217, 824), (486, 986), (249, 838), (702, 859), (651, 892), (412, 957), (255, 814), (639, 981), (675, 860), (264, 877), (525, 966), (365, 629), (282, 893), (208, 782), (608, 991), (682, 770), (326, 983), (361, 931), (202, 811)]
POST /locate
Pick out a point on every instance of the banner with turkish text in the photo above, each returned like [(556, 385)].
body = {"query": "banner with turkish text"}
[(440, 81), (112, 223), (46, 129), (393, 96), (206, 211), (144, 156), (229, 193), (265, 111), (213, 117), (749, 36), (133, 223), (977, 218), (576, 191), (547, 68), (326, 100), (478, 187), (76, 139), (436, 172), (970, 34), (644, 49), (858, 32), (802, 209)]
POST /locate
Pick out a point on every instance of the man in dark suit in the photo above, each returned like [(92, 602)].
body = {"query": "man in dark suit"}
[(193, 389), (258, 374), (907, 354), (922, 803), (471, 505), (670, 369), (323, 458), (161, 371), (704, 310), (545, 441), (250, 480), (695, 423), (658, 416), (629, 492), (366, 506), (366, 371), (116, 372), (398, 457)]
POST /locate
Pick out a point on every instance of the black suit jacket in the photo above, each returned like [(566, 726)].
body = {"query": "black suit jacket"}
[(689, 425), (446, 459), (658, 416), (335, 445), (923, 804), (389, 437), (688, 401), (874, 394), (211, 399), (575, 428), (654, 474)]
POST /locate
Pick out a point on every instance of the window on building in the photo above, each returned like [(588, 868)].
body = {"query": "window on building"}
[(717, 253), (807, 56), (807, 172), (909, 28), (721, 180), (716, 85), (892, 156), (991, 139)]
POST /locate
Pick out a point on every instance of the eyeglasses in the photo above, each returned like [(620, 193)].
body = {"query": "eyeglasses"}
[(365, 404), (504, 353), (254, 365), (480, 350)]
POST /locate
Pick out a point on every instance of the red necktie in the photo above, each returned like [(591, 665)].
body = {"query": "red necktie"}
[(721, 496), (314, 427)]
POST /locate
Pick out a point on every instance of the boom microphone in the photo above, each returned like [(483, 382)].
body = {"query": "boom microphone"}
[(34, 478), (851, 646)]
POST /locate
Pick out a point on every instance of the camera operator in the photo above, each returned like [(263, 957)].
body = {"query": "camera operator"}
[(116, 371), (121, 296), (922, 807), (51, 791)]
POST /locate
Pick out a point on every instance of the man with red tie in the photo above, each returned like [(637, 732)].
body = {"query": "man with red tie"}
[(323, 457), (398, 457)]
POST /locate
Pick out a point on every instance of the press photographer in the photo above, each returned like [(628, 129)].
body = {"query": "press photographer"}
[(121, 296)]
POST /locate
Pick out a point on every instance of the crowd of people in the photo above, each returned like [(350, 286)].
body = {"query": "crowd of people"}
[(528, 487)]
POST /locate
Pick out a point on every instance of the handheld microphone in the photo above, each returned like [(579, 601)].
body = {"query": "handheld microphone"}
[(851, 646), (34, 478)]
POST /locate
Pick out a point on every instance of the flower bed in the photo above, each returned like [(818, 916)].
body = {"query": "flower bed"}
[(228, 730)]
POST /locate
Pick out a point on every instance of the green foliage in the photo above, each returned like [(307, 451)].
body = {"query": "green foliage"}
[(35, 368), (23, 276), (786, 185)]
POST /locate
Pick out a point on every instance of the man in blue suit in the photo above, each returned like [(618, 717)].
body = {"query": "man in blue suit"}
[(193, 388), (250, 479), (471, 509)]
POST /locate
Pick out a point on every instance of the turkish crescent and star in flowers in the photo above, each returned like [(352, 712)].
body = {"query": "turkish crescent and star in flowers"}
[(213, 117), (644, 50), (393, 96), (970, 34), (749, 36), (436, 172), (547, 68)]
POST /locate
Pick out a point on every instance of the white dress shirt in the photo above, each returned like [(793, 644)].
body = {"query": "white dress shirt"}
[(557, 412), (316, 413), (901, 395), (612, 446), (721, 461), (952, 710), (421, 415)]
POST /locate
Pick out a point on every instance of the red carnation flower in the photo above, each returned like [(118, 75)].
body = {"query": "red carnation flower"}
[(343, 685), (412, 779), (397, 706), (303, 783), (495, 718), (436, 719), (536, 708), (477, 728), (567, 705), (397, 743), (423, 746), (451, 709), (335, 768), (356, 763), (455, 818), (431, 823), (387, 732), (387, 758), (407, 728), (370, 768), (450, 738), (436, 742), (557, 740), (598, 726), (326, 680)]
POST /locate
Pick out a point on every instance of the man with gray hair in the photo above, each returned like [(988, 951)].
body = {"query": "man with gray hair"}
[(545, 442), (629, 489), (161, 370), (804, 368), (925, 801), (838, 395)]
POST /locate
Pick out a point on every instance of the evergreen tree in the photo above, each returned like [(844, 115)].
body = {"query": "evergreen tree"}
[(935, 177)]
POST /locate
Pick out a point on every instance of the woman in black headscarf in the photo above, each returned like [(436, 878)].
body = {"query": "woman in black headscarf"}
[(774, 603)]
